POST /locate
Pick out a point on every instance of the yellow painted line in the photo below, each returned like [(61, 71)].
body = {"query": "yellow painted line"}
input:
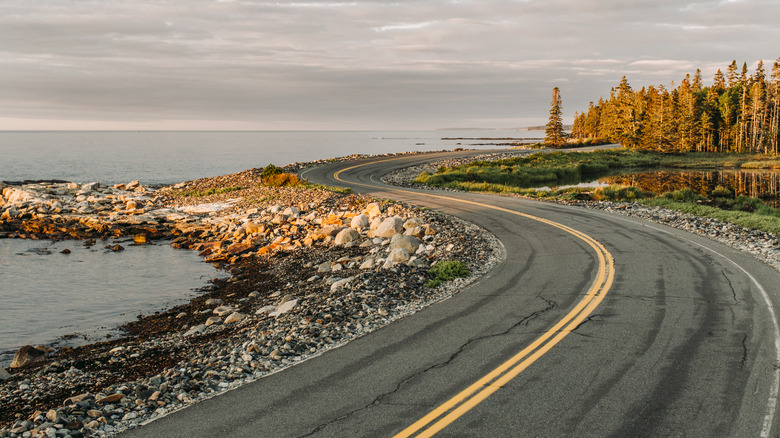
[(454, 408)]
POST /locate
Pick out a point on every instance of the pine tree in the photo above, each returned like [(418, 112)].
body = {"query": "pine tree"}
[(554, 135)]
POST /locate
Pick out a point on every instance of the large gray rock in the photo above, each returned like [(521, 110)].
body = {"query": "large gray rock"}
[(345, 236), (359, 222), (409, 243), (4, 375), (390, 227), (27, 355)]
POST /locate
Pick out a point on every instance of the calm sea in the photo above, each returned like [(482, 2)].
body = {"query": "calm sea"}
[(45, 295), (161, 157)]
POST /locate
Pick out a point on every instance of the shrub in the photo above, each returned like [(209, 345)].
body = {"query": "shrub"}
[(684, 195), (270, 170), (446, 271), (281, 179), (722, 192)]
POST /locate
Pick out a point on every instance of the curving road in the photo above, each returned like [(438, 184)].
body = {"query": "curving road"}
[(634, 330)]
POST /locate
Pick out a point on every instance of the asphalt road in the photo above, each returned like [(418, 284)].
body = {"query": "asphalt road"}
[(684, 343)]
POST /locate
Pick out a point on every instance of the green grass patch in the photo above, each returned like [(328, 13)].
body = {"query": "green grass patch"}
[(756, 220), (446, 271)]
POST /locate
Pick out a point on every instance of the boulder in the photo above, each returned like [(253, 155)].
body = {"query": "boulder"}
[(88, 187), (359, 222), (324, 232), (398, 255), (195, 330), (291, 211), (238, 248), (252, 228), (4, 375), (284, 307), (223, 310), (113, 398), (418, 232), (372, 210), (345, 236), (408, 243), (27, 355), (14, 195), (413, 222), (390, 227), (235, 317)]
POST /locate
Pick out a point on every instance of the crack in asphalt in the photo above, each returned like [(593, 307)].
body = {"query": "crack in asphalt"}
[(378, 400), (731, 286), (743, 362)]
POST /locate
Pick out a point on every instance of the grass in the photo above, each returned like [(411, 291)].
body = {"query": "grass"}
[(521, 174), (562, 168), (207, 192), (446, 271)]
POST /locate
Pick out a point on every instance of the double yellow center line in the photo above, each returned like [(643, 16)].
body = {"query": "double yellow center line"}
[(454, 408)]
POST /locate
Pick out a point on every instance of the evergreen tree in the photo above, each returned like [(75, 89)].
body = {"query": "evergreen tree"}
[(738, 113), (554, 135)]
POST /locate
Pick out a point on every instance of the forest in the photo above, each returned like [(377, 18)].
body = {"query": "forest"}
[(739, 112)]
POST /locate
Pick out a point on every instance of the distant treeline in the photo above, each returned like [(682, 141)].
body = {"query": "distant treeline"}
[(737, 113)]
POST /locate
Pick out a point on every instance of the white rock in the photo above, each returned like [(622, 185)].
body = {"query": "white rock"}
[(213, 320), (390, 227), (359, 222), (195, 330), (223, 310), (372, 210), (409, 243), (398, 255), (265, 309), (235, 317), (214, 302), (345, 236), (284, 307), (88, 187), (291, 211), (341, 283), (367, 264), (413, 222)]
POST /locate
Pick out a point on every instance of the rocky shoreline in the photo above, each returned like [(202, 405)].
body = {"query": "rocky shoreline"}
[(310, 270), (298, 287)]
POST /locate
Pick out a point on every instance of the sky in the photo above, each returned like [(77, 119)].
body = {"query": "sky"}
[(353, 65)]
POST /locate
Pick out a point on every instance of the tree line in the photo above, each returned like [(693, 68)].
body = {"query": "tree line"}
[(737, 113)]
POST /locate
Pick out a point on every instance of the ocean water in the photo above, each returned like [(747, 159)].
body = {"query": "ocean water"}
[(45, 295), (163, 157)]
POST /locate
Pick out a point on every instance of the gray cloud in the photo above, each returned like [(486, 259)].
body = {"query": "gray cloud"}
[(353, 65)]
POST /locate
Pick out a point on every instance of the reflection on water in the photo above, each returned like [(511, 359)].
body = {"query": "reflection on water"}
[(755, 184), (46, 294)]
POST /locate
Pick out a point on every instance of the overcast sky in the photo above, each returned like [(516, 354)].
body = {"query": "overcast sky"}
[(224, 64)]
